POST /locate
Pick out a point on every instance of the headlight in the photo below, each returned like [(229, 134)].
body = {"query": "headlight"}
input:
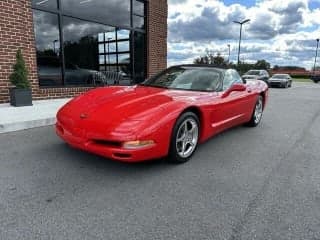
[(137, 144)]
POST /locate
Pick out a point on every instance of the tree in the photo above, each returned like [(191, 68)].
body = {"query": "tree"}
[(19, 76), (276, 67), (209, 58), (262, 64)]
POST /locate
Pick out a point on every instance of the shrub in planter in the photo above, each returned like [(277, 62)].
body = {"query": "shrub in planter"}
[(20, 95)]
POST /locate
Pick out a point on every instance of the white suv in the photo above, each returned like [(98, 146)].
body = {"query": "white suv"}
[(257, 75)]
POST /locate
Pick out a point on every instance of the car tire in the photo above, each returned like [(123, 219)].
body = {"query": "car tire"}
[(256, 113), (184, 138)]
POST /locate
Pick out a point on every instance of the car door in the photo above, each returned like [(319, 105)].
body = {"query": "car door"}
[(233, 107)]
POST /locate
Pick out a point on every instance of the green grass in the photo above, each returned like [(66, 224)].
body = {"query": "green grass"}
[(305, 80)]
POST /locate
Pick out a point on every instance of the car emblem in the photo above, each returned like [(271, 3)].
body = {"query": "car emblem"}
[(83, 116)]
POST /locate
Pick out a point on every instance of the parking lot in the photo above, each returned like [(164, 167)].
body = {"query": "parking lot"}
[(246, 183)]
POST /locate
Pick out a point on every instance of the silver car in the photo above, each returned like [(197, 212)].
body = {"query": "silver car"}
[(281, 80), (257, 75)]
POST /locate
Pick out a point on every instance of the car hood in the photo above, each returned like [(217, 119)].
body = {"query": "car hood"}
[(110, 107), (278, 79), (250, 76)]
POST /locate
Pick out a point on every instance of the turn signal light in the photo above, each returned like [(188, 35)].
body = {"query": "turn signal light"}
[(137, 144)]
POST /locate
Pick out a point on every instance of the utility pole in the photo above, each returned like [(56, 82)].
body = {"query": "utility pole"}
[(315, 59), (241, 23)]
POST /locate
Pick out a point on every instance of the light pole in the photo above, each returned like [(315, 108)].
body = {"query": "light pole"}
[(109, 52), (229, 53), (54, 45), (241, 23), (315, 59)]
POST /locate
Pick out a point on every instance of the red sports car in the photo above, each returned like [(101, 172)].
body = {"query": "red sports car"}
[(166, 116)]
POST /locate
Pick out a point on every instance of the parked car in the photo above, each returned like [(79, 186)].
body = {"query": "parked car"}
[(257, 75), (315, 76), (166, 115), (281, 80)]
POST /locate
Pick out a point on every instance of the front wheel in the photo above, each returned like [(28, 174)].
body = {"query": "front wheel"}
[(184, 139), (257, 113)]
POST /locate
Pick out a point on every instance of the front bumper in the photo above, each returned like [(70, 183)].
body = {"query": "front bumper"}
[(118, 153), (277, 83)]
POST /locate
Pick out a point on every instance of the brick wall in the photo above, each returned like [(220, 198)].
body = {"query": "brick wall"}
[(157, 36), (16, 31)]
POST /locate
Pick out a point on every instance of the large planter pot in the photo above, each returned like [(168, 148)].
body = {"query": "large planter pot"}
[(20, 97)]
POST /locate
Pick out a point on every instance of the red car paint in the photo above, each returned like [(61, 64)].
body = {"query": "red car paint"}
[(101, 120)]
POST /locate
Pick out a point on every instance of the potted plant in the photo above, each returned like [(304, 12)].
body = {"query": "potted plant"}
[(20, 95)]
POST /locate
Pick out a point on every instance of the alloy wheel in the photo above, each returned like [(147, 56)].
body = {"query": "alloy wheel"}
[(258, 111), (187, 138)]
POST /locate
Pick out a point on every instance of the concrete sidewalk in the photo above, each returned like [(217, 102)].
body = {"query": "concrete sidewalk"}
[(42, 113)]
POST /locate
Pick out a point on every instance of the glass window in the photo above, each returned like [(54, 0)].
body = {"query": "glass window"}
[(112, 68), (236, 77), (123, 34), (138, 22), (101, 37), (139, 57), (101, 48), (187, 78), (90, 43), (124, 58), (45, 4), (102, 60), (111, 59), (48, 48), (112, 12), (125, 71), (230, 78), (110, 36), (81, 49), (123, 46), (138, 7), (111, 47)]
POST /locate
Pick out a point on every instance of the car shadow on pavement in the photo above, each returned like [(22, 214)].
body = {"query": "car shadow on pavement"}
[(90, 160)]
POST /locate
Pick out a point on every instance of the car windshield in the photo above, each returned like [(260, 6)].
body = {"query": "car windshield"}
[(253, 72), (188, 78), (282, 76)]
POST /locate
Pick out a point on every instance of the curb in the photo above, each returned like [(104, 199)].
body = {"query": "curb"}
[(18, 126)]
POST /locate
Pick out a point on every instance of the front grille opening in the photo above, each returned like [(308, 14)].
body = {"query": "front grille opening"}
[(122, 155), (107, 143)]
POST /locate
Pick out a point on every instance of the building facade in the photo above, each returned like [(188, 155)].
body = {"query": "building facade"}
[(71, 46)]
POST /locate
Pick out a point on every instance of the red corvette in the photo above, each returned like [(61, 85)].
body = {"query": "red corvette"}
[(167, 115)]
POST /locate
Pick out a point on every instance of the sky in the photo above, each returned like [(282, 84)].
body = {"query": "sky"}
[(283, 32)]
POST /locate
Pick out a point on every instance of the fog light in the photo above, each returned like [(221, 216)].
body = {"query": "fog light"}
[(137, 144)]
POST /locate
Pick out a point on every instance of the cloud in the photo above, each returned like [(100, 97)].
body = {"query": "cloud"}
[(177, 1), (278, 29)]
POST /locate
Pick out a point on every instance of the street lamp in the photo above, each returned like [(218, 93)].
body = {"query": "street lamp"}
[(109, 38), (54, 45), (241, 23), (315, 59), (229, 53)]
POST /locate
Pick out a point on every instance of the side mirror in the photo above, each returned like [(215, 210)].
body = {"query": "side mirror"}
[(237, 87)]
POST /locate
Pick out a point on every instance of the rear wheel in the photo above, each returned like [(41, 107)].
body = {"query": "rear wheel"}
[(184, 139), (257, 113)]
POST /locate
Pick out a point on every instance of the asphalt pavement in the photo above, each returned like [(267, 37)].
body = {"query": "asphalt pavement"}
[(246, 183)]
